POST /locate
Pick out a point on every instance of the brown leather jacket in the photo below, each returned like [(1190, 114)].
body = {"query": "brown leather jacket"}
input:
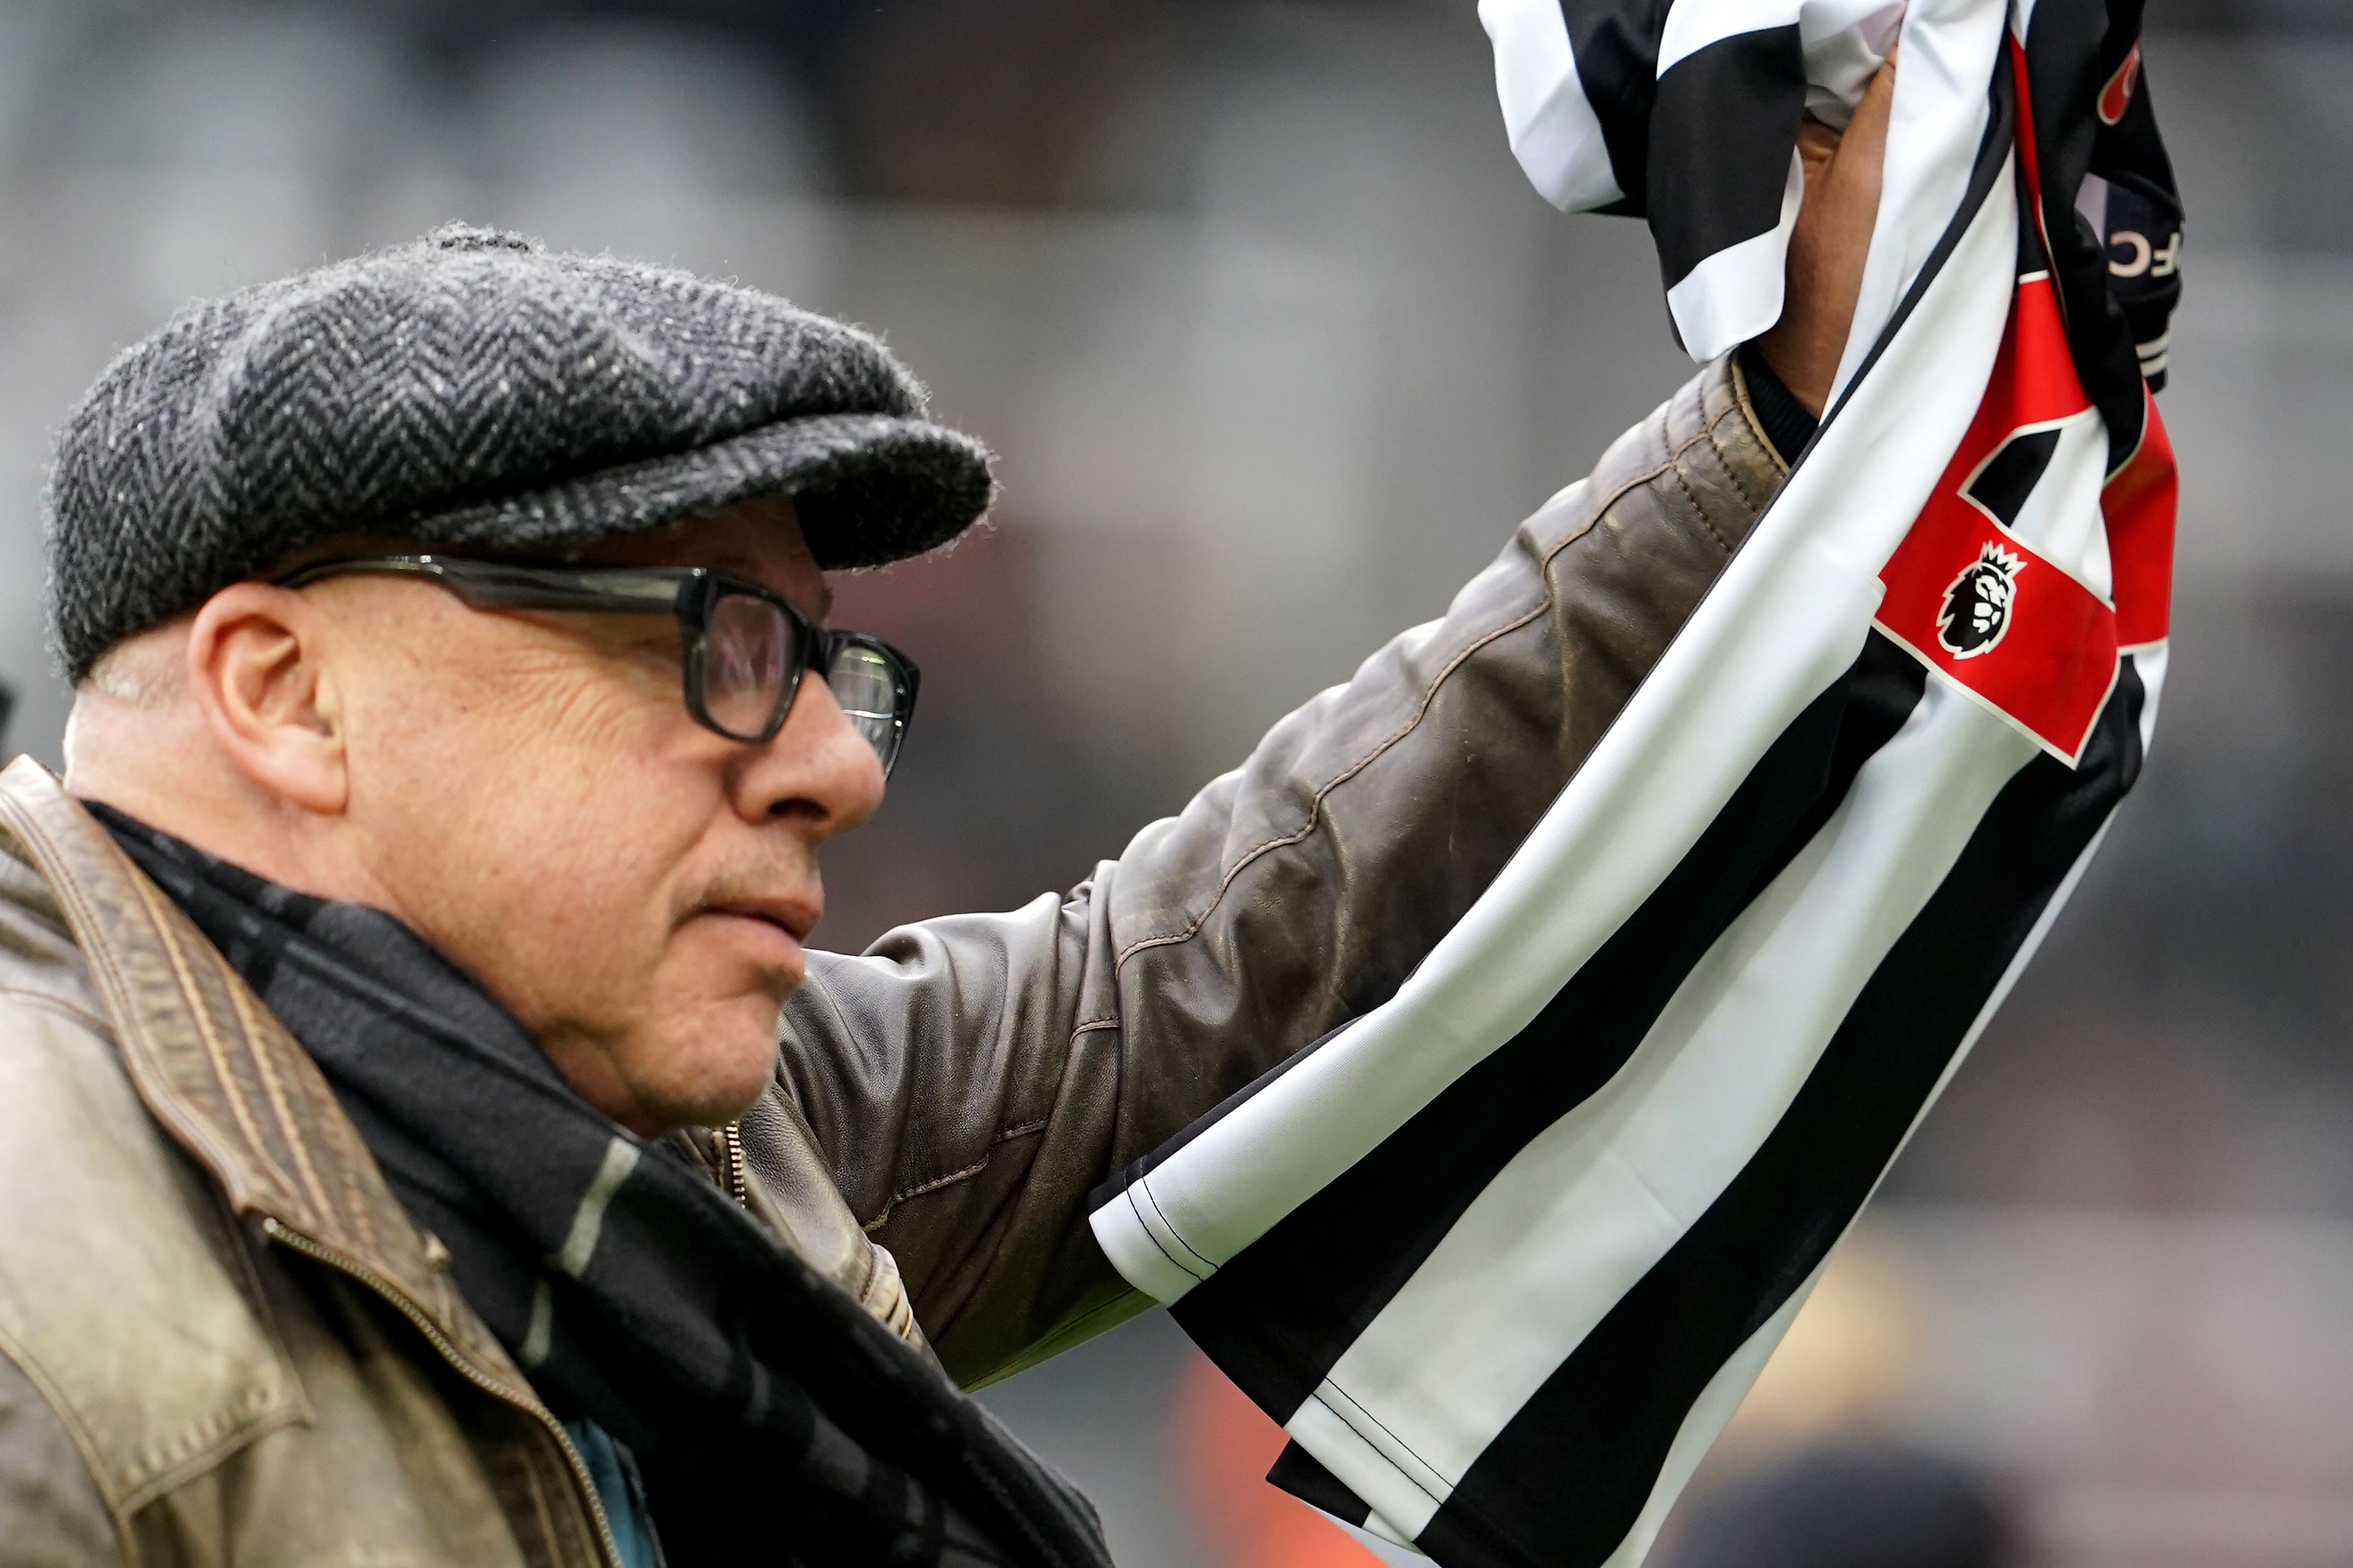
[(222, 1340)]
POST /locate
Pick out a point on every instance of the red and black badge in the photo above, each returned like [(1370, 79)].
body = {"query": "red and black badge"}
[(1970, 594)]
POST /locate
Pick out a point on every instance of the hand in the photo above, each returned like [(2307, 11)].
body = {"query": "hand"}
[(1828, 247)]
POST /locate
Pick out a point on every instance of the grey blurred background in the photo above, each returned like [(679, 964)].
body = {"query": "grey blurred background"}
[(1277, 347)]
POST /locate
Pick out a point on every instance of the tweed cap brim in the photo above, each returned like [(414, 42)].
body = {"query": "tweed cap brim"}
[(868, 489)]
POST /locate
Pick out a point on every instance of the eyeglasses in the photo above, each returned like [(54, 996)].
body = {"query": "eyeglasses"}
[(743, 646)]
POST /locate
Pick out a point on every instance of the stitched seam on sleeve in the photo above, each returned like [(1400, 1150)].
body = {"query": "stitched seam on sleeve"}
[(1731, 467), (1742, 405), (1154, 1199), (952, 1177), (1699, 509), (1731, 470), (1390, 1432), (1744, 400), (1422, 710), (1174, 1261)]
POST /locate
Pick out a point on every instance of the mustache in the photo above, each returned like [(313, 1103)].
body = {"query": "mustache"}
[(754, 879)]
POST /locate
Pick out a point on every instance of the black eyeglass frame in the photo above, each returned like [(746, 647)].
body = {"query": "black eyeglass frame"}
[(691, 593)]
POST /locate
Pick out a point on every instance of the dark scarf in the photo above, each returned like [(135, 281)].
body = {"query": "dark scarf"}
[(773, 1419)]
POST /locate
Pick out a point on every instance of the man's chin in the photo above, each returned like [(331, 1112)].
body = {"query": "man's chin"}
[(713, 1089), (709, 1061)]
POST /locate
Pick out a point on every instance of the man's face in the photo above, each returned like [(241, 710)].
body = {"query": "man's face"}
[(532, 791)]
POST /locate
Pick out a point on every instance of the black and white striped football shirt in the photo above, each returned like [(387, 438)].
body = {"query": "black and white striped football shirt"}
[(1503, 1254)]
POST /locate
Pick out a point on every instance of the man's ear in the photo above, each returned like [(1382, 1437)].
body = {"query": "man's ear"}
[(258, 671)]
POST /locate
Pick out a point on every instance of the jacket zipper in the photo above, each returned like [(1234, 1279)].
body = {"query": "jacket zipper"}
[(344, 1263), (731, 1164)]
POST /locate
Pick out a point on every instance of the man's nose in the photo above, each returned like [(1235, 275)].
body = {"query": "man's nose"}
[(819, 770)]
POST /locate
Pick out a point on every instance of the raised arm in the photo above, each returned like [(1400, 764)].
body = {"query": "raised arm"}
[(970, 1080)]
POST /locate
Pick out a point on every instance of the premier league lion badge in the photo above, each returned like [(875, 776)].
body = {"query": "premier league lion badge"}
[(1976, 611)]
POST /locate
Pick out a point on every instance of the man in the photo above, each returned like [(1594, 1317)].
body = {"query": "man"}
[(399, 1162)]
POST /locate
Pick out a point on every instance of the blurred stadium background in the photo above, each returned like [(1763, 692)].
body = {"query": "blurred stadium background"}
[(1277, 347)]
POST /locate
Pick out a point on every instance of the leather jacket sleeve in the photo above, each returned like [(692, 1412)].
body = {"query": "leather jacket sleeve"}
[(970, 1080)]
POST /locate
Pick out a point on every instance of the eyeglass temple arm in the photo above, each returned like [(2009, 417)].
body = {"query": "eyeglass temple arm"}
[(489, 585)]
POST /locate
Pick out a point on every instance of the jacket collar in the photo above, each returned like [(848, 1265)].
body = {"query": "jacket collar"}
[(219, 1072)]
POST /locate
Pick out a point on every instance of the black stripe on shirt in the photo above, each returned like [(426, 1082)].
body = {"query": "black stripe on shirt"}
[(1280, 1312), (2064, 51), (1616, 46), (1566, 1479), (1296, 1471), (1722, 134)]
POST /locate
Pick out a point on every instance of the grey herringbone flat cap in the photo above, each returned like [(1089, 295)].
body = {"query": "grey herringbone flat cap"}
[(473, 390)]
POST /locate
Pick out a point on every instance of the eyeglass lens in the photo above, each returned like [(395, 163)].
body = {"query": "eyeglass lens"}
[(747, 661), (750, 655), (867, 686)]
